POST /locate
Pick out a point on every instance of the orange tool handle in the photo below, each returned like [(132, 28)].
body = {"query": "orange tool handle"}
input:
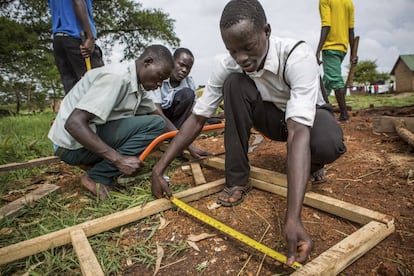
[(169, 135)]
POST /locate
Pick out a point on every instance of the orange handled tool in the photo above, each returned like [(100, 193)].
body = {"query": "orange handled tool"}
[(169, 135), (87, 59)]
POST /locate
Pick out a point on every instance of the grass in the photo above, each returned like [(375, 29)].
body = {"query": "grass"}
[(25, 137), (358, 102)]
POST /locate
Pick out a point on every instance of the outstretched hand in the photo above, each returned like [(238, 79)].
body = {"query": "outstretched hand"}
[(159, 185), (299, 242), (197, 152)]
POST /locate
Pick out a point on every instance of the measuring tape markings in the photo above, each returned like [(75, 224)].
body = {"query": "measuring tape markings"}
[(233, 233)]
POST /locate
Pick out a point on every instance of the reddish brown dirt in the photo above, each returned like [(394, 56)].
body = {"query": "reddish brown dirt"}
[(374, 173)]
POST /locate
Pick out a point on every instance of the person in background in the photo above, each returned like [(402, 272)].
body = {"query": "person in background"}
[(69, 19), (337, 32), (174, 100), (103, 123), (271, 84)]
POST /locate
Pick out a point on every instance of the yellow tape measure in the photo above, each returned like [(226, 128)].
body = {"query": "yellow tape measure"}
[(231, 232)]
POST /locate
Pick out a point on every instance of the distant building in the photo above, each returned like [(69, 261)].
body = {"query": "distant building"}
[(403, 71)]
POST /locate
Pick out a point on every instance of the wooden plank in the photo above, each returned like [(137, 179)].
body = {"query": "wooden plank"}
[(255, 172), (330, 205), (344, 253), (30, 247), (29, 164), (198, 174), (87, 259), (13, 207), (386, 123)]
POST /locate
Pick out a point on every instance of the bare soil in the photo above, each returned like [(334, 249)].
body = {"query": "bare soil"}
[(375, 173)]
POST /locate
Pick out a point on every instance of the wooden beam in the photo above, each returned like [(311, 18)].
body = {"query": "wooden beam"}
[(344, 253), (13, 207), (198, 174), (255, 172), (330, 205), (387, 123), (87, 259), (29, 164), (30, 247)]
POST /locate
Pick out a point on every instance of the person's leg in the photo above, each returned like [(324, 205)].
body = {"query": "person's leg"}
[(332, 79), (244, 107), (326, 142), (62, 60), (181, 107), (97, 58), (129, 136)]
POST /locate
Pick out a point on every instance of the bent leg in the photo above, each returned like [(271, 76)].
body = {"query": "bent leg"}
[(327, 143), (181, 107)]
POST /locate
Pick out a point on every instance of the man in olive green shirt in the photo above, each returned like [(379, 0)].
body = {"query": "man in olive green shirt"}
[(103, 123)]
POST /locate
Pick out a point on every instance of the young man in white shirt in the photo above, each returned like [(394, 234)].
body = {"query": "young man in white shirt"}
[(273, 85)]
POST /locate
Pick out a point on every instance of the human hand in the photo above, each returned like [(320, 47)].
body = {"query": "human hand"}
[(299, 242), (87, 47), (354, 60), (129, 165), (197, 152), (159, 185)]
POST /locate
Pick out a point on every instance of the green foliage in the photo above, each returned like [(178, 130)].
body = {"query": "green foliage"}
[(24, 137), (366, 72), (26, 42)]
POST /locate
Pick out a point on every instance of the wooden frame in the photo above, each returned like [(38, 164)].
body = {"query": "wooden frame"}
[(376, 226)]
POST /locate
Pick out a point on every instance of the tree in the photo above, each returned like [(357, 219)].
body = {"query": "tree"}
[(26, 40), (366, 72)]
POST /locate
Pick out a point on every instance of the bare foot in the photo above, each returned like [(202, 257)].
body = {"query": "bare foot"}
[(99, 190)]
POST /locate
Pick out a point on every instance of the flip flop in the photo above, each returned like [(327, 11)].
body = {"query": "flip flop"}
[(318, 177), (230, 192)]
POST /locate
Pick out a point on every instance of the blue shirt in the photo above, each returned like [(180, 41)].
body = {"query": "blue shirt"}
[(64, 19), (165, 94)]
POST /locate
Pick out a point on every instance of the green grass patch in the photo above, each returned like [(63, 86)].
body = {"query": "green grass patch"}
[(358, 102)]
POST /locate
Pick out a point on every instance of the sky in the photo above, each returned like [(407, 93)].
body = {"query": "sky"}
[(386, 28)]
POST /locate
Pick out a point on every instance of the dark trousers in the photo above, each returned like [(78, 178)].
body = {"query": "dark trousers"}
[(246, 109), (181, 107), (69, 61), (129, 136)]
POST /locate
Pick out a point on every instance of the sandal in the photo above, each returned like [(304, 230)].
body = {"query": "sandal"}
[(231, 191), (318, 177)]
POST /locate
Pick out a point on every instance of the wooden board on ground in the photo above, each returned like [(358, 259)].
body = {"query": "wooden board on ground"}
[(13, 207), (29, 164), (198, 174), (87, 260), (376, 227), (387, 123)]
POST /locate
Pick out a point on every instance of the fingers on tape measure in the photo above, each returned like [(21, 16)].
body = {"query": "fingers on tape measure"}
[(233, 233)]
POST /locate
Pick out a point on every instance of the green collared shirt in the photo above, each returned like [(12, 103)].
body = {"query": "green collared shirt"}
[(110, 93)]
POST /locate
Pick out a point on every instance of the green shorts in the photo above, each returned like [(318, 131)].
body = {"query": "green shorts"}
[(332, 74)]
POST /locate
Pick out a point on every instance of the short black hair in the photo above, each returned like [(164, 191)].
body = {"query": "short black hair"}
[(238, 10), (179, 51), (159, 53)]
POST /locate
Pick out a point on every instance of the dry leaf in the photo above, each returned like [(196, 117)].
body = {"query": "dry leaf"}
[(129, 261), (316, 216), (193, 245), (213, 206), (196, 238), (160, 255), (163, 223)]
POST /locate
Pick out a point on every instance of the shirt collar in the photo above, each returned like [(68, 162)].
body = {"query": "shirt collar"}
[(135, 84), (271, 61)]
